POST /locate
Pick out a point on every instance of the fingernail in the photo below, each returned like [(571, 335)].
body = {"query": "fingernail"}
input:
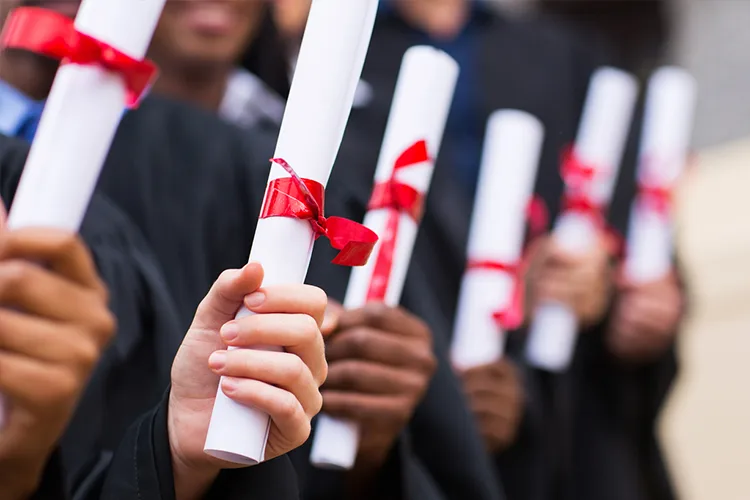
[(230, 331), (218, 360), (228, 385), (255, 299)]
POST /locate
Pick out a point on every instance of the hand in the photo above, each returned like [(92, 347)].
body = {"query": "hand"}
[(645, 319), (381, 362), (496, 399), (54, 325), (583, 281), (282, 384)]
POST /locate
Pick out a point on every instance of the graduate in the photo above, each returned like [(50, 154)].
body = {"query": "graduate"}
[(201, 51), (403, 362), (161, 454), (587, 450), (128, 437)]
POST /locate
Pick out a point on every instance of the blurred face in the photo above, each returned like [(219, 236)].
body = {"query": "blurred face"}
[(205, 32)]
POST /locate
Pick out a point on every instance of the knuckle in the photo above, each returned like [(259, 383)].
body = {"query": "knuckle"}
[(289, 407), (374, 313), (346, 374), (422, 329), (66, 389), (359, 340), (13, 278), (68, 243), (102, 290), (318, 300), (303, 430), (298, 372), (323, 375), (87, 355), (310, 327), (105, 326), (317, 404)]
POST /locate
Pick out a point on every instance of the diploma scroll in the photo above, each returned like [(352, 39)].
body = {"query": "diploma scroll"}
[(512, 147), (328, 69), (599, 148), (81, 117), (667, 126), (414, 132)]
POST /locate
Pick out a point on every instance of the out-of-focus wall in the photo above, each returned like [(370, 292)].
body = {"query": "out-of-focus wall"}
[(705, 425), (711, 41)]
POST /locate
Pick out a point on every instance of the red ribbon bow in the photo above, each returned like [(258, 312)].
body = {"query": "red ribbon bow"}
[(577, 176), (652, 193), (397, 198), (55, 36), (304, 199), (658, 198), (511, 316)]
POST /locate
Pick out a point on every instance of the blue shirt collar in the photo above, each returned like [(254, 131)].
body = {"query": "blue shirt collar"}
[(16, 111)]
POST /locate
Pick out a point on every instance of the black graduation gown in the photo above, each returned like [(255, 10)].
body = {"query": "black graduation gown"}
[(116, 445), (197, 203), (535, 67)]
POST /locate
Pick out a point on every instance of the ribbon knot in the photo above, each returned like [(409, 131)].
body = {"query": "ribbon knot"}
[(657, 198), (55, 36), (578, 176), (304, 199), (511, 316), (576, 173), (397, 198)]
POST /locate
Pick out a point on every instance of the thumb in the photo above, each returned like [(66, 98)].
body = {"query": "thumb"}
[(226, 296)]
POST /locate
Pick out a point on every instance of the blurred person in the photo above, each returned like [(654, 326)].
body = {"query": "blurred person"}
[(613, 24), (202, 52), (405, 353), (134, 373), (586, 449), (157, 454)]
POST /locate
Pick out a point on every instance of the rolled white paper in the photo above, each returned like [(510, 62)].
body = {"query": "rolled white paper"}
[(600, 143), (510, 160), (80, 119), (421, 103), (328, 69), (667, 127)]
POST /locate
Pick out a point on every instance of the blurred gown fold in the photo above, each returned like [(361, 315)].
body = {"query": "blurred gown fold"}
[(123, 402)]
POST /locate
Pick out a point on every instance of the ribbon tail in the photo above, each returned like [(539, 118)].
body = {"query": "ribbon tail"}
[(511, 317), (538, 216), (353, 240), (381, 272)]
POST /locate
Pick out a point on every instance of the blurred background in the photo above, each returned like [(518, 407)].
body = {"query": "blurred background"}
[(704, 428)]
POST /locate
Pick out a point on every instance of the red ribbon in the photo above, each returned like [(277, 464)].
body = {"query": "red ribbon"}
[(303, 199), (657, 198), (55, 36), (398, 198), (511, 316), (577, 176), (652, 193)]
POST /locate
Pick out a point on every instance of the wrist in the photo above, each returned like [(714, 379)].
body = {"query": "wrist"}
[(191, 483), (192, 477)]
